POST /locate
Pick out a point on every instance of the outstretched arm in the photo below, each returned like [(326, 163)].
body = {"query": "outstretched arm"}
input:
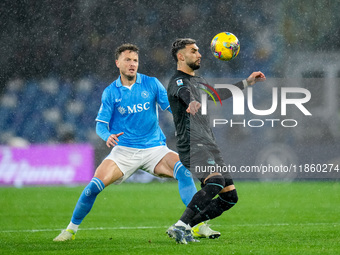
[(251, 80)]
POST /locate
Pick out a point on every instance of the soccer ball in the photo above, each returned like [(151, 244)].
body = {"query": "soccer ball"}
[(225, 46)]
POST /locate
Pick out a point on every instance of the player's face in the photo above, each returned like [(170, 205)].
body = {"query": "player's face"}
[(127, 63), (192, 56)]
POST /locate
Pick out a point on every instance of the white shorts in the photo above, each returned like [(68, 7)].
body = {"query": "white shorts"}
[(129, 160)]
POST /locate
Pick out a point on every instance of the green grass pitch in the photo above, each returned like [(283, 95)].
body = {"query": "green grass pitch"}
[(270, 218)]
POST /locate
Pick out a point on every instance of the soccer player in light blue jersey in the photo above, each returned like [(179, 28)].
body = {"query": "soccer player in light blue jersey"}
[(128, 121)]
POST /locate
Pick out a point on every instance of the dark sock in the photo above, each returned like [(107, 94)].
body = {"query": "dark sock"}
[(202, 198), (217, 206)]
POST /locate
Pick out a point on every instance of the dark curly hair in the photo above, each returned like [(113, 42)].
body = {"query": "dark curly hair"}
[(180, 44)]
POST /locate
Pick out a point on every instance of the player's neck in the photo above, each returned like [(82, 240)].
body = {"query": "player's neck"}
[(127, 82), (186, 69)]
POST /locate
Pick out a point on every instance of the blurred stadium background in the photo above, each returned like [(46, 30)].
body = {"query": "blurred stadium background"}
[(58, 56)]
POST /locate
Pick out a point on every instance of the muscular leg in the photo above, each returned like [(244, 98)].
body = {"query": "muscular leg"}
[(106, 173), (166, 165), (170, 165)]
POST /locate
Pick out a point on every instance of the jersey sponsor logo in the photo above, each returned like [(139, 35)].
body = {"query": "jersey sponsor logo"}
[(145, 94), (179, 82), (134, 108), (138, 107)]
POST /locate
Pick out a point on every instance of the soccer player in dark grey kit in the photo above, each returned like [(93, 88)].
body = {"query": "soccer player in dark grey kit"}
[(196, 143)]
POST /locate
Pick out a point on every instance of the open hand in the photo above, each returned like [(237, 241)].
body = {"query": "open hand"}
[(113, 140)]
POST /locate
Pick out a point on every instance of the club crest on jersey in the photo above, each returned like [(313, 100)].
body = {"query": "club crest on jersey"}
[(179, 82), (145, 94)]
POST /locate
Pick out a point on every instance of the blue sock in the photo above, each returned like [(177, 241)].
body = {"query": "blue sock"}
[(186, 185), (86, 200)]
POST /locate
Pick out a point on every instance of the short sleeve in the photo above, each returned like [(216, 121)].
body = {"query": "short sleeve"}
[(182, 84), (162, 97)]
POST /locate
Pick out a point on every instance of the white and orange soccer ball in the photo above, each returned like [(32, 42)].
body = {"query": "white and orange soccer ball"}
[(225, 46)]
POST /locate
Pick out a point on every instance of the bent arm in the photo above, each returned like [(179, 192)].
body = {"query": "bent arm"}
[(192, 105), (185, 96), (251, 80)]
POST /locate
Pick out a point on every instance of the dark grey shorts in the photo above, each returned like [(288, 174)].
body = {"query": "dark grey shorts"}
[(204, 160)]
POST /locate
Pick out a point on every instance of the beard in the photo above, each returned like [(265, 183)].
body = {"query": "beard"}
[(194, 66), (129, 77)]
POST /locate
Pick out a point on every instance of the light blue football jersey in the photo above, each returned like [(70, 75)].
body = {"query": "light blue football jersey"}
[(134, 111)]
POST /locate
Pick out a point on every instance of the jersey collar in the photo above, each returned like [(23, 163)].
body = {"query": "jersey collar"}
[(179, 72), (119, 83)]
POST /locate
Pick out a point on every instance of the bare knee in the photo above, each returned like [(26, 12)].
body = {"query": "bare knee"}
[(108, 172)]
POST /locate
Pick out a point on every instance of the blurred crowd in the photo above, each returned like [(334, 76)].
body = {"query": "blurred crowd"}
[(73, 38)]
